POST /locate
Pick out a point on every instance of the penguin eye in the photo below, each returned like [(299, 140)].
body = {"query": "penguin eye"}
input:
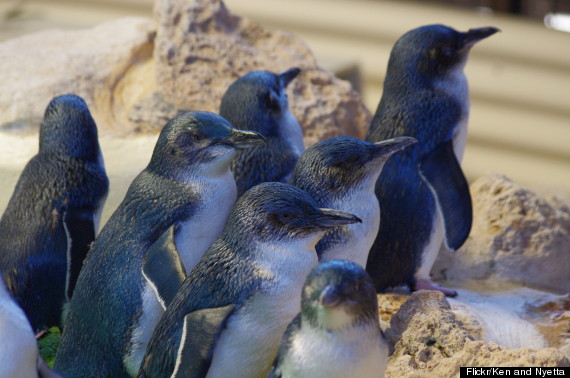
[(285, 216), (352, 159), (197, 137)]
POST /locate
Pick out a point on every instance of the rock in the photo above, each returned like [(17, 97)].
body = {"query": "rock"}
[(201, 48), (517, 236), (430, 341), (91, 63), (425, 325), (552, 318), (133, 81), (389, 304)]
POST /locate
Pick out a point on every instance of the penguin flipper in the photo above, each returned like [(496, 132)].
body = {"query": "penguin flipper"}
[(442, 172), (202, 329), (163, 268), (80, 230)]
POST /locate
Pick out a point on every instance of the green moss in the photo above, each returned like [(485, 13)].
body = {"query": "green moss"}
[(48, 345)]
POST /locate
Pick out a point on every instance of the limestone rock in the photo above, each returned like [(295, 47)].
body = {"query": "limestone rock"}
[(425, 325), (90, 63), (430, 341), (133, 81), (201, 48), (517, 236)]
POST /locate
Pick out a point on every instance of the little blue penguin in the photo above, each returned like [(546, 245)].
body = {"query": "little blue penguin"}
[(181, 200), (232, 309), (341, 173), (18, 349), (54, 212), (258, 101), (337, 332), (422, 191)]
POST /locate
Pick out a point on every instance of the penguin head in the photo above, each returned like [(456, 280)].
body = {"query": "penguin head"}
[(274, 211), (434, 50), (257, 101), (200, 141), (68, 128), (338, 294), (340, 163)]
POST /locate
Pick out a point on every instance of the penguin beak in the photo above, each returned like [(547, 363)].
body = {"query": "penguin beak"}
[(473, 36), (329, 297), (286, 77), (244, 139), (327, 218), (386, 148)]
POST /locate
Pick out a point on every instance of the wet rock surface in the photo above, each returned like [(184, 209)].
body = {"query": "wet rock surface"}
[(429, 340)]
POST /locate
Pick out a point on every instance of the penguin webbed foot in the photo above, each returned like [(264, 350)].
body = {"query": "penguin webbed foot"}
[(426, 284)]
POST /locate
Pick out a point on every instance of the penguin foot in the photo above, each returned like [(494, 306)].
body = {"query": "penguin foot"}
[(426, 284)]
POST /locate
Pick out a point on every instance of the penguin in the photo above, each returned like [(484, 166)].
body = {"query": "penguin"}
[(337, 333), (229, 315), (172, 211), (18, 350), (258, 101), (54, 213), (341, 173), (422, 191)]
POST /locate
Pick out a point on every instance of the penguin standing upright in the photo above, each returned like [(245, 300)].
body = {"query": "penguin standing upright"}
[(229, 315), (54, 212), (337, 333), (258, 101), (341, 173), (422, 191), (182, 199)]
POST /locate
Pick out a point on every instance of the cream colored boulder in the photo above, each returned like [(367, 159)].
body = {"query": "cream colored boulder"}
[(429, 341), (517, 237)]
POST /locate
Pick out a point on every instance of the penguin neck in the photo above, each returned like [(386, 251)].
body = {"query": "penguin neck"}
[(454, 83), (290, 258), (196, 172), (291, 132)]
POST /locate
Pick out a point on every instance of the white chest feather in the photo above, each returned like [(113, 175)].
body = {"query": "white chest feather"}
[(199, 232), (152, 310), (355, 352), (253, 334), (431, 249), (455, 85), (292, 132), (364, 204), (18, 349)]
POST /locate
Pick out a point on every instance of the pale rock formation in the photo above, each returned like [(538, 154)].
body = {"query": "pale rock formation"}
[(517, 237), (428, 340), (136, 74)]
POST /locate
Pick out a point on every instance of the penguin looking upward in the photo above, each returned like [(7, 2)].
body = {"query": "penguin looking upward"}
[(341, 173), (119, 296), (229, 315), (258, 101), (422, 191), (337, 333), (54, 212)]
